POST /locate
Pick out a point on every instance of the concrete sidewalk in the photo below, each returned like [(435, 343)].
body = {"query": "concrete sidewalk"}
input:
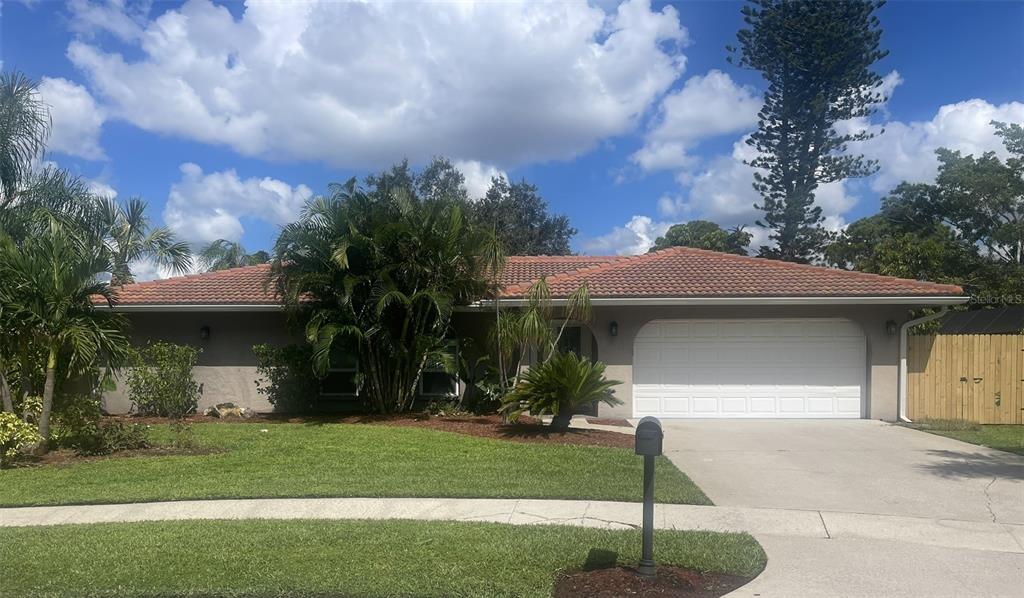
[(821, 525)]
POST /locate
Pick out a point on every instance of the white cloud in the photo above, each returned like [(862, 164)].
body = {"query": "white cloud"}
[(637, 236), (723, 192), (906, 151), (888, 87), (364, 84), (102, 189), (674, 206), (121, 19), (478, 176), (205, 207), (707, 106), (664, 155), (145, 269), (77, 119)]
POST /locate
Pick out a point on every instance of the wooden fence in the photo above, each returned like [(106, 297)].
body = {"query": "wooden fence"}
[(973, 377)]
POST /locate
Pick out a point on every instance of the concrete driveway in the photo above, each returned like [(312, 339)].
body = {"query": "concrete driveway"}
[(864, 467), (856, 466)]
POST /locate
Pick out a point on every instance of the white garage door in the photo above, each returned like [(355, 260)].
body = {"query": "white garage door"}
[(779, 368)]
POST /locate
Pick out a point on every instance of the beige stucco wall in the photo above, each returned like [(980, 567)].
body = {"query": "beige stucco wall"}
[(227, 367), (882, 349)]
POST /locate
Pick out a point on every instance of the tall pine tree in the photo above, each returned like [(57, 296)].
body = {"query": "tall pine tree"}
[(817, 58)]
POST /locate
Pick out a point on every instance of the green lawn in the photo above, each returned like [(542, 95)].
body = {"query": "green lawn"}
[(1002, 437), (336, 558), (339, 460)]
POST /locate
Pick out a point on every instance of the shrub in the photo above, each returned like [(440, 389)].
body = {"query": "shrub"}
[(559, 385), (14, 434), (104, 438), (75, 416), (160, 380), (30, 408), (287, 377), (446, 408)]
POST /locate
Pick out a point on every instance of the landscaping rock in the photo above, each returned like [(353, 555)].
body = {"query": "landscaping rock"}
[(226, 410)]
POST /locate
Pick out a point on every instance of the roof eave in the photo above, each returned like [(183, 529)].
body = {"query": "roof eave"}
[(921, 300)]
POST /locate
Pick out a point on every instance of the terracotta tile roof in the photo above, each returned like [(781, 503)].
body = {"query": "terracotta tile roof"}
[(686, 272), (528, 268), (236, 286), (678, 272)]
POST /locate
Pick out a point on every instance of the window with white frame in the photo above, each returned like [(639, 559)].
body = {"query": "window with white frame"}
[(340, 380), (436, 381)]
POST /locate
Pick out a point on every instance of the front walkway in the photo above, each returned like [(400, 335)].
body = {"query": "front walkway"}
[(819, 525)]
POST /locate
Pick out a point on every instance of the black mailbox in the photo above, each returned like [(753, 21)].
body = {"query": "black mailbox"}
[(649, 436)]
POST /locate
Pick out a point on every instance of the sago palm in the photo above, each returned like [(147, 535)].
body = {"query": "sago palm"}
[(558, 386)]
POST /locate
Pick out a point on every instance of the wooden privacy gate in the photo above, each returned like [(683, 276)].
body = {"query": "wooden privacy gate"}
[(973, 377)]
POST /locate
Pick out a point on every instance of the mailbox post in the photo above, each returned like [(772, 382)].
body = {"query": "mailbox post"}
[(648, 443)]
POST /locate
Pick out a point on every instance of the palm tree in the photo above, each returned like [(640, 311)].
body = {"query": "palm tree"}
[(494, 260), (223, 254), (24, 127), (128, 236), (382, 271), (51, 280), (8, 330)]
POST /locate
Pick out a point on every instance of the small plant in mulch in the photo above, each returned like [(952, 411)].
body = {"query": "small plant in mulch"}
[(616, 582)]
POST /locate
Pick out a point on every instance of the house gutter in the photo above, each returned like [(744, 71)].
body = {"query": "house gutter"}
[(901, 393)]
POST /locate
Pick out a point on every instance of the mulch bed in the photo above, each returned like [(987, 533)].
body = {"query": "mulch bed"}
[(485, 426), (526, 430), (609, 421), (623, 581)]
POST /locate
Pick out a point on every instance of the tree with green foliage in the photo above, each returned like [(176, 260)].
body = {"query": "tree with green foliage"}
[(983, 197), (966, 228), (24, 127), (515, 211), (126, 232), (704, 234), (223, 254), (521, 219), (379, 272), (881, 245), (59, 244), (817, 58), (53, 281)]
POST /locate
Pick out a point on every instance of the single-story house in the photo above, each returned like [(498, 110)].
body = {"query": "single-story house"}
[(690, 333)]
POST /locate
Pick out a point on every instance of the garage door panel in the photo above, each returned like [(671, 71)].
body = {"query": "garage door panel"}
[(673, 330), (734, 405), (749, 368), (675, 405), (848, 406), (760, 405), (704, 329), (646, 355)]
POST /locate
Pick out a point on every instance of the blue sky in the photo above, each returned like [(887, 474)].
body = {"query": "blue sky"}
[(628, 118)]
